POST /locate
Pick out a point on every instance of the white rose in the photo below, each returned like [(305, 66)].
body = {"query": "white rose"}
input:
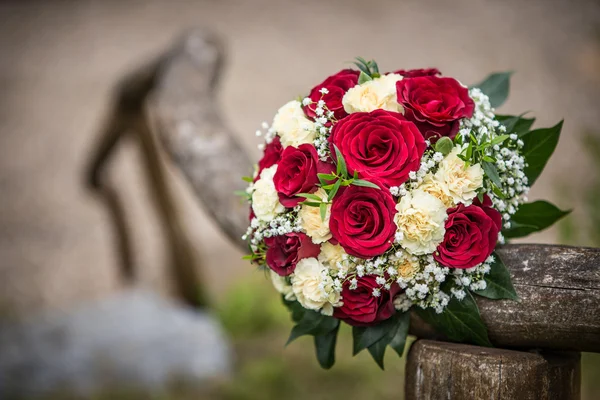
[(313, 287), (311, 222), (437, 189), (420, 220), (292, 125), (282, 286), (333, 255), (461, 182), (379, 93), (265, 201)]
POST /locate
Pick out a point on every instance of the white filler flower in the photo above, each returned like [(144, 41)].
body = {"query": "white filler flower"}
[(292, 125), (379, 93), (420, 220)]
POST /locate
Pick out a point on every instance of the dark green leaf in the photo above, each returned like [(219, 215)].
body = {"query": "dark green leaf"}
[(364, 337), (460, 321), (362, 182), (444, 145), (340, 162), (308, 324), (398, 341), (377, 350), (499, 284), (295, 309), (334, 190), (496, 87), (533, 217), (539, 146), (516, 123), (491, 172), (325, 347)]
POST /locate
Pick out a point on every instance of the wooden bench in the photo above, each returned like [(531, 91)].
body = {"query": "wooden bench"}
[(538, 340)]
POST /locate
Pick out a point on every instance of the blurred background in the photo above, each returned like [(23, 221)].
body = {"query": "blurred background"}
[(59, 63)]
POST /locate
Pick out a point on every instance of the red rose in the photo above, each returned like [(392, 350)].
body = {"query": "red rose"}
[(337, 85), (296, 173), (380, 145), (271, 155), (413, 73), (284, 251), (361, 308), (471, 235), (435, 104), (362, 220)]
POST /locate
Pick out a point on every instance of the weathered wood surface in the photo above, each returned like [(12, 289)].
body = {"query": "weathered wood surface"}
[(439, 370), (185, 112), (559, 286)]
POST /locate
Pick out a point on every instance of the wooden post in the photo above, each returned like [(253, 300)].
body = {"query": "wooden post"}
[(440, 370)]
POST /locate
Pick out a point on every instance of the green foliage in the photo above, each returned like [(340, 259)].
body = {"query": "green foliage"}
[(516, 123), (533, 217), (444, 145), (499, 284), (539, 146), (496, 87), (460, 321), (375, 339), (368, 69)]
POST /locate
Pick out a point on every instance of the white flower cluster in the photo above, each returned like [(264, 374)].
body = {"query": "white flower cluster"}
[(442, 182), (508, 159)]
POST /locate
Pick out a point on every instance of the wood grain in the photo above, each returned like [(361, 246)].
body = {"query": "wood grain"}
[(439, 370)]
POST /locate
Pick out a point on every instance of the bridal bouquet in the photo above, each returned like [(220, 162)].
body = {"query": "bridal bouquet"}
[(381, 193)]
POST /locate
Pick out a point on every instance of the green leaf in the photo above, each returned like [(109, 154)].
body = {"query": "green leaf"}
[(516, 123), (533, 217), (460, 321), (362, 182), (363, 337), (334, 190), (496, 87), (492, 173), (377, 351), (248, 179), (539, 146), (444, 145), (325, 347), (363, 77), (323, 210), (499, 284), (309, 323), (311, 204), (340, 162), (499, 139), (398, 341), (310, 196), (296, 310)]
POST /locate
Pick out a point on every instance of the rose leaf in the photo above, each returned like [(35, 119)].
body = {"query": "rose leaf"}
[(499, 285), (533, 217)]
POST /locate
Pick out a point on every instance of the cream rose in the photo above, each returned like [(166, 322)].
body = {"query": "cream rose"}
[(333, 255), (265, 201), (282, 286), (311, 222), (379, 93), (313, 287), (437, 189), (460, 182), (292, 125), (420, 221)]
